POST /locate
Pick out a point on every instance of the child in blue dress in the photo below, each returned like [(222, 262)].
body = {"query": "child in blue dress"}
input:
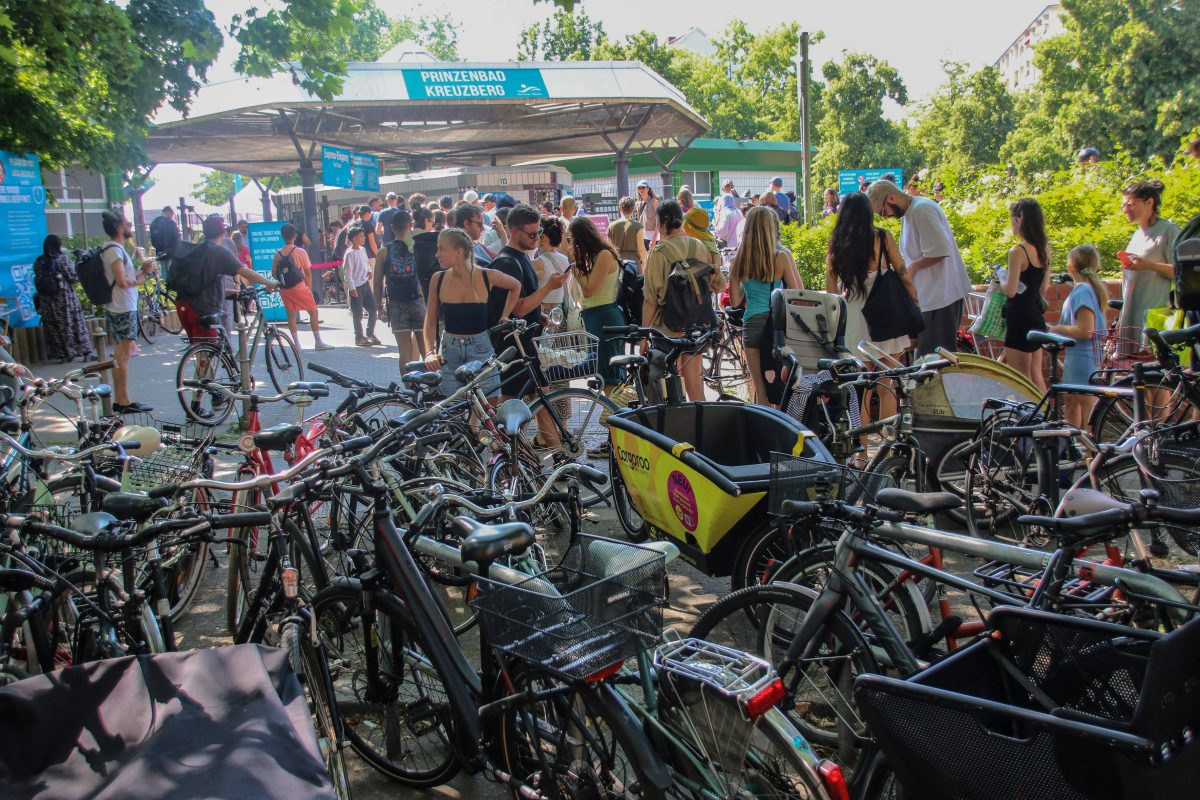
[(1082, 319)]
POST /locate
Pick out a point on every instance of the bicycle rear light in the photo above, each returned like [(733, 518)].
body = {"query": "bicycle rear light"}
[(834, 780), (291, 582), (606, 673), (765, 699)]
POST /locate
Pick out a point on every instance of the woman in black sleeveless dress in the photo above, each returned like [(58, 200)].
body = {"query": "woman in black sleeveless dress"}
[(1028, 275)]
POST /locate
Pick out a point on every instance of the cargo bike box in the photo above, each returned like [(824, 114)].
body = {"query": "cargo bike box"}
[(698, 473)]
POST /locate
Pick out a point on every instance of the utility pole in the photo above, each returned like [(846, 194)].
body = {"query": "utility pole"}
[(802, 88)]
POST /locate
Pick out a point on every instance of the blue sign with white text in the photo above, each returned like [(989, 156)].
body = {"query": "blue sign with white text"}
[(335, 166), (366, 172), (266, 240), (22, 233), (849, 180), (474, 84)]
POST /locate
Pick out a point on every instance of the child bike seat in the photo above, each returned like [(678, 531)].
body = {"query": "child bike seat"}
[(484, 543), (277, 437)]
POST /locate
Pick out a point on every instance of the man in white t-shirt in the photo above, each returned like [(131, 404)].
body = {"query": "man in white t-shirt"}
[(122, 311), (933, 260)]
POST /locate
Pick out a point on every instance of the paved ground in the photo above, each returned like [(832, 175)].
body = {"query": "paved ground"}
[(152, 381)]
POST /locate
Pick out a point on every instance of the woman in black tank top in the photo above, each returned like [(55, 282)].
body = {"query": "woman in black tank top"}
[(1028, 275), (458, 296)]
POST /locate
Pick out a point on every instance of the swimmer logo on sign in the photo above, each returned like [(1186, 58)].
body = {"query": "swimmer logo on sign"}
[(474, 84)]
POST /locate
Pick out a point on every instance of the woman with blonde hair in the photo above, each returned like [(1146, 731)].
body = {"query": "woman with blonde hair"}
[(1082, 319), (761, 265)]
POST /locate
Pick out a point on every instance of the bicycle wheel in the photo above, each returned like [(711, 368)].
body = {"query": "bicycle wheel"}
[(764, 620), (525, 479), (584, 416), (207, 360), (310, 667), (148, 317), (283, 358), (1122, 479), (950, 475), (636, 528), (569, 732), (1166, 404), (398, 718), (767, 547), (168, 318), (726, 371), (1004, 481), (51, 420)]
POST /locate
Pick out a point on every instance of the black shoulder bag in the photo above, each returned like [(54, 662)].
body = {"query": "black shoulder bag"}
[(889, 310)]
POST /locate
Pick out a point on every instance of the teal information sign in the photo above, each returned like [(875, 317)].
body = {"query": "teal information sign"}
[(850, 179), (22, 232), (474, 84), (335, 166), (366, 172), (265, 241)]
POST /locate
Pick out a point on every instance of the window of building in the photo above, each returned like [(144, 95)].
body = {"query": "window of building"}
[(701, 182)]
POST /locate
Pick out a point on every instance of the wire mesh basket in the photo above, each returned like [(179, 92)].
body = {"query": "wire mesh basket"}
[(796, 478), (601, 605), (1120, 348), (1170, 457), (568, 355)]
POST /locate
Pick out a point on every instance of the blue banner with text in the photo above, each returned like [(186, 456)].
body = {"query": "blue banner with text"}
[(474, 84), (265, 241), (22, 233)]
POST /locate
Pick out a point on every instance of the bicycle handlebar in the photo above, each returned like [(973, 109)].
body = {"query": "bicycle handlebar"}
[(204, 384), (1128, 514), (52, 455), (839, 509), (108, 542), (563, 470)]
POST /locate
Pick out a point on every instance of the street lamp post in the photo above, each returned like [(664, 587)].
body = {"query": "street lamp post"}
[(803, 72)]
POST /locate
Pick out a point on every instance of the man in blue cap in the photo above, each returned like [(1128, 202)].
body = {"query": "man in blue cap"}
[(784, 202)]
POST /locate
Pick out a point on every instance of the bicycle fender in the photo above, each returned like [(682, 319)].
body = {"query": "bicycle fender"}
[(649, 766)]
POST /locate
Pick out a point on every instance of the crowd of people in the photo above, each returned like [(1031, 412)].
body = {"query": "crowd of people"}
[(459, 266)]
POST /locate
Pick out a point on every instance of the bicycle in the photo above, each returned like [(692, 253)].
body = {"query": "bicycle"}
[(725, 369), (216, 361), (156, 309)]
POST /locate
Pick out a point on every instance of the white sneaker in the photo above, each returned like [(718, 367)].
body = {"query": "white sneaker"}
[(324, 346)]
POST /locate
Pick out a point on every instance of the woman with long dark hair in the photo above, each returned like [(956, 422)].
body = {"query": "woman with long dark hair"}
[(63, 324), (1025, 288), (857, 252), (597, 270)]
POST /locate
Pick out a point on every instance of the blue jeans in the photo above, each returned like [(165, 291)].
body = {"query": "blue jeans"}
[(458, 350)]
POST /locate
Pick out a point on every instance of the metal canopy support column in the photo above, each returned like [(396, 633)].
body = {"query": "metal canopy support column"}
[(621, 160), (667, 182), (308, 190)]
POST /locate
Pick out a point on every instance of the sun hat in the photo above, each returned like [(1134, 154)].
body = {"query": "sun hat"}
[(695, 225)]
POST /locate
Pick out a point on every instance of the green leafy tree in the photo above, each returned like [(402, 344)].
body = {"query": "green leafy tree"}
[(215, 187), (373, 33), (566, 36), (967, 120), (1122, 78), (853, 132), (438, 34)]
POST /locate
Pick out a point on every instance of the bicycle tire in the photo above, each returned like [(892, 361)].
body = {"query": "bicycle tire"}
[(763, 620), (730, 376), (545, 516), (997, 483), (237, 571), (147, 320), (283, 358), (767, 546), (1112, 417), (312, 671), (415, 718), (209, 410), (950, 475), (636, 528), (1122, 479), (536, 731), (169, 317), (584, 416)]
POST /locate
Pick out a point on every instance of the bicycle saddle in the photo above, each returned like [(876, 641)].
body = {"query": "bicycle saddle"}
[(1049, 339), (1116, 305), (1181, 336), (413, 366), (277, 437), (313, 388), (635, 361), (415, 380), (512, 415), (92, 523), (483, 543), (10, 423), (907, 502), (468, 371), (98, 392), (211, 320), (131, 505)]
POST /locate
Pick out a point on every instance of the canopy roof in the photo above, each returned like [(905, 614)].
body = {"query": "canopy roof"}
[(417, 116)]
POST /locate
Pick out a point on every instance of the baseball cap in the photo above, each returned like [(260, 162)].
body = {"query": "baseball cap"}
[(364, 209), (777, 179), (488, 198), (392, 196), (214, 226), (643, 183)]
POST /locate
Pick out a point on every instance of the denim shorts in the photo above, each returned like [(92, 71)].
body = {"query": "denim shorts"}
[(459, 350)]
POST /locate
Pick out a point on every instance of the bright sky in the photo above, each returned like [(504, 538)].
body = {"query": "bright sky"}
[(914, 36)]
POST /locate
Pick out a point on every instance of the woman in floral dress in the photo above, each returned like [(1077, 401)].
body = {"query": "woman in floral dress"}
[(66, 331)]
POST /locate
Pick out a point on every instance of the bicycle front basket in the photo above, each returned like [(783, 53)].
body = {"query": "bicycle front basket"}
[(796, 478), (1170, 457), (600, 606)]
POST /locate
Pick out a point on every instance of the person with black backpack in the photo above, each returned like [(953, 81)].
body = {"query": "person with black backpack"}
[(292, 268), (66, 330), (396, 279), (121, 309), (164, 235)]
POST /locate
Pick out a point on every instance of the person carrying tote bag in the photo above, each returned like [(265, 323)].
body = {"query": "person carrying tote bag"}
[(890, 310)]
